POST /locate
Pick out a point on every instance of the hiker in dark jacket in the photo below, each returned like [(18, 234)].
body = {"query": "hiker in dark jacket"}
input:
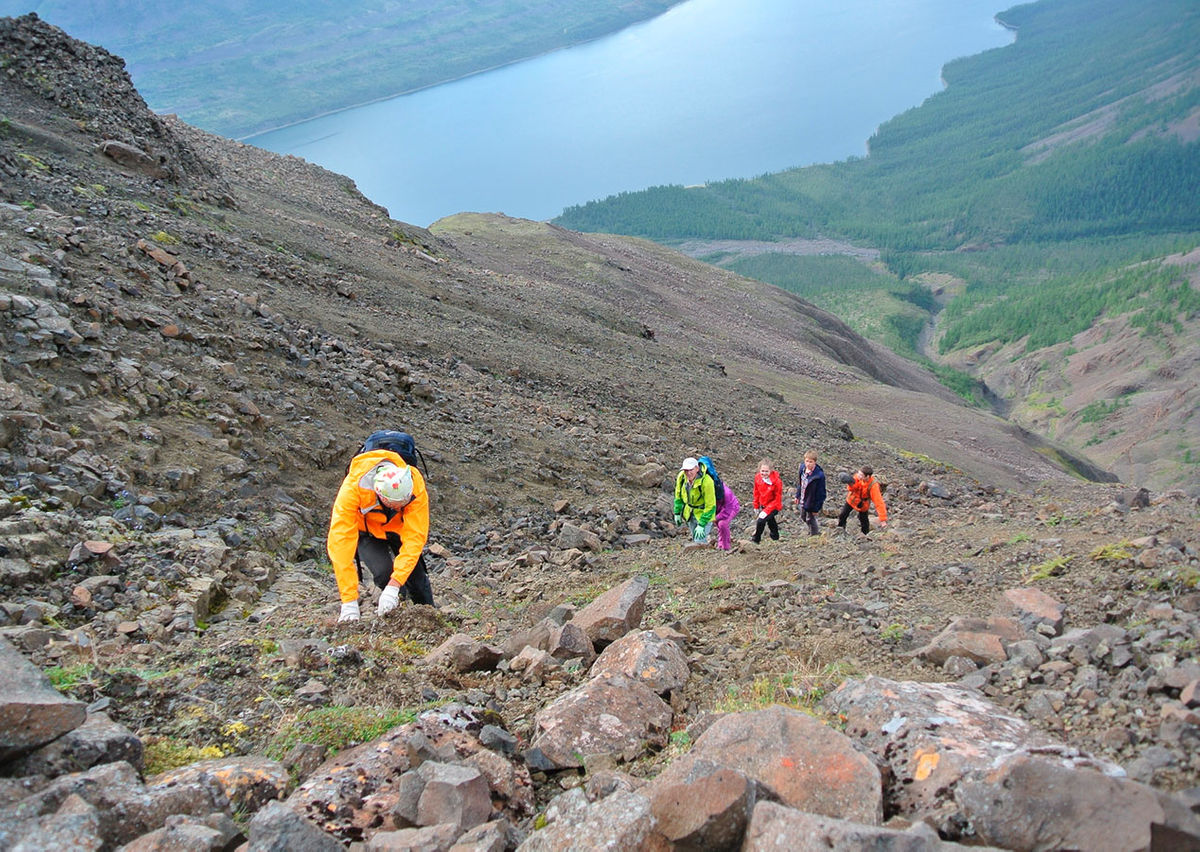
[(810, 491)]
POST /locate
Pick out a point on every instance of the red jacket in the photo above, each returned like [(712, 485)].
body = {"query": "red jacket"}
[(768, 496)]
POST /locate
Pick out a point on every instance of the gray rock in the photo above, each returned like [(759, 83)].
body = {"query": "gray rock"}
[(645, 656), (614, 613), (278, 828), (98, 740), (708, 808), (608, 715), (775, 828), (572, 536), (75, 826), (127, 808), (490, 837), (537, 636), (1038, 803), (434, 838), (570, 642), (452, 794), (465, 654), (214, 833), (1025, 654), (620, 821), (32, 712)]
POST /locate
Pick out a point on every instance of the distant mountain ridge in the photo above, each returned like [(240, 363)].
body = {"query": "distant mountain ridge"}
[(213, 63)]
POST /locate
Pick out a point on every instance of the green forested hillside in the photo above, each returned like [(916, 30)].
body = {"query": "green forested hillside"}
[(1069, 132), (237, 68)]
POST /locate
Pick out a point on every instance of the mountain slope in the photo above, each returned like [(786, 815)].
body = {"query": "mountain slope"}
[(620, 332)]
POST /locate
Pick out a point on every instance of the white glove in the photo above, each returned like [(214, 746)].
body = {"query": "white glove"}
[(388, 600), (349, 612), (762, 514)]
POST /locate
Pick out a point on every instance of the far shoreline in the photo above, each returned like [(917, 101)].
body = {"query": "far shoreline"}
[(248, 139)]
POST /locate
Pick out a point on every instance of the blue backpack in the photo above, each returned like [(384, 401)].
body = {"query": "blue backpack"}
[(718, 486)]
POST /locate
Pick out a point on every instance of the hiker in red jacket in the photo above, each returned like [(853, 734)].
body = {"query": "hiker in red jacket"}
[(861, 491), (768, 500)]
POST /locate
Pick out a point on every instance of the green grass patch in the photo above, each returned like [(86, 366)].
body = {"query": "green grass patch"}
[(162, 754), (1112, 552), (63, 678), (336, 727), (1045, 570), (797, 689)]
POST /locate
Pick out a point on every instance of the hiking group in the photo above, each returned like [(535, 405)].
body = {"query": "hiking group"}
[(379, 524), (702, 499)]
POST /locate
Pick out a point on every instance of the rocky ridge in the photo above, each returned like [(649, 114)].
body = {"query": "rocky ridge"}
[(198, 332)]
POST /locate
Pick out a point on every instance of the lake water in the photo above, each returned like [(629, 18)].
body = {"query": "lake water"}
[(711, 89)]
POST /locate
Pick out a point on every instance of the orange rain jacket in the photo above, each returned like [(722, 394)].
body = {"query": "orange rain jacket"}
[(860, 491), (357, 509)]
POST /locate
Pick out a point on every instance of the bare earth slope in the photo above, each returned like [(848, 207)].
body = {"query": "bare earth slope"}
[(196, 336)]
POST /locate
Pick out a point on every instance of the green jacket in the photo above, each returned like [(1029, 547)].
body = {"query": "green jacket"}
[(699, 500)]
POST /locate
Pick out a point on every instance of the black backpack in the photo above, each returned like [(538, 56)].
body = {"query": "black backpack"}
[(400, 443)]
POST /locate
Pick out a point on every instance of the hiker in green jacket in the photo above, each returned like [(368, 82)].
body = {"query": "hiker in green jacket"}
[(695, 499)]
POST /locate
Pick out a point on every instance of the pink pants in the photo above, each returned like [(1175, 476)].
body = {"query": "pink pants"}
[(731, 508)]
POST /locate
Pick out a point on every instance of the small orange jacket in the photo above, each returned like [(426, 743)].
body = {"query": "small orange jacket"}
[(860, 491), (357, 509)]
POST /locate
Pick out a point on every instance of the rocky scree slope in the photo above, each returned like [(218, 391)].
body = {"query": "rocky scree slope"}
[(197, 333)]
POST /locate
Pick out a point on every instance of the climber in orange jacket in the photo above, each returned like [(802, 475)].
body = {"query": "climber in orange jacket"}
[(861, 491), (380, 521)]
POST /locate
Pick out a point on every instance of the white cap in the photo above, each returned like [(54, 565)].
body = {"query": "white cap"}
[(689, 463), (393, 483)]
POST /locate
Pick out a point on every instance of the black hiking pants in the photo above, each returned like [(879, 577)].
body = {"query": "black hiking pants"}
[(770, 524), (864, 519), (377, 556)]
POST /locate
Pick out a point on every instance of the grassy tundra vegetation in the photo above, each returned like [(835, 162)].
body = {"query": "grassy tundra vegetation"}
[(1035, 180), (236, 69)]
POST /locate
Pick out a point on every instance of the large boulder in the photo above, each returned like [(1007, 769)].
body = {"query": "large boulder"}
[(1037, 802), (933, 735), (794, 758), (645, 656), (614, 613), (98, 740), (612, 715)]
